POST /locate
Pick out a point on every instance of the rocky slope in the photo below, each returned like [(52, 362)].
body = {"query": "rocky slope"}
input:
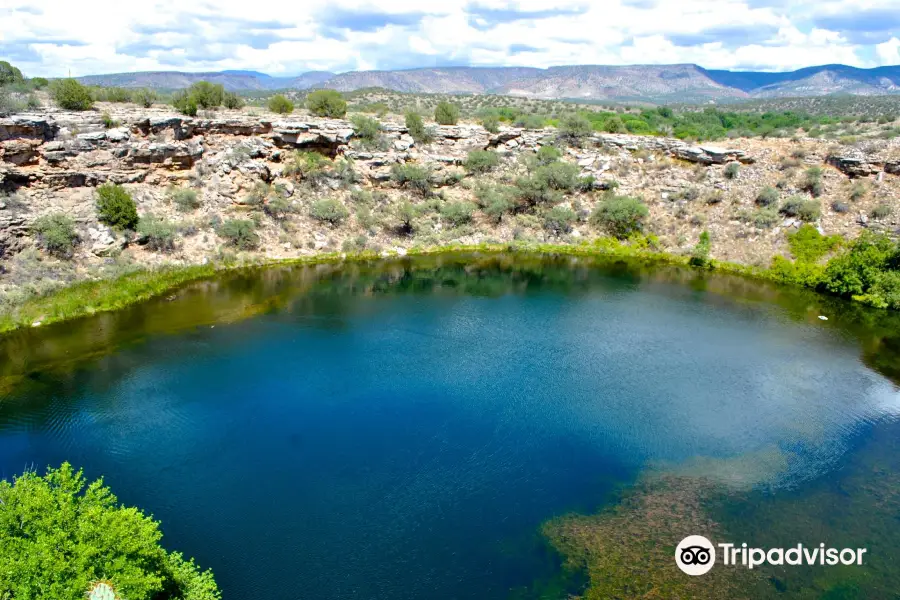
[(653, 83), (53, 162)]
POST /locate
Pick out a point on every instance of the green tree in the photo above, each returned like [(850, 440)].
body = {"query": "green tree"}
[(415, 126), (207, 95), (329, 210), (446, 113), (115, 207), (144, 97), (9, 74), (481, 161), (232, 101), (56, 234), (366, 129), (39, 83), (71, 95), (868, 270), (573, 128), (620, 215), (280, 104), (184, 103), (327, 103), (60, 535), (700, 255), (416, 177)]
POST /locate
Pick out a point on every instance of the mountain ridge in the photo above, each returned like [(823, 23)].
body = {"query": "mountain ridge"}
[(653, 83)]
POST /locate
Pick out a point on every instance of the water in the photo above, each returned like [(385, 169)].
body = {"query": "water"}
[(403, 430)]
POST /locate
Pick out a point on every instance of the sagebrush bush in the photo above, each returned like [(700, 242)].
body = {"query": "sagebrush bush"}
[(327, 103), (768, 196), (310, 166), (280, 104), (71, 95), (573, 128), (184, 103), (277, 206), (495, 200), (413, 176), (547, 154), (491, 123), (415, 126), (858, 191), (206, 94), (232, 101), (56, 234), (813, 182), (840, 207), (881, 211), (802, 207), (458, 213), (446, 113), (620, 215), (144, 97), (115, 207), (559, 220), (732, 169), (366, 129), (329, 210), (239, 233), (481, 161), (184, 199), (157, 233)]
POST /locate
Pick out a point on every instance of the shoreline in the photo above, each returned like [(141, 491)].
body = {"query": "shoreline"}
[(91, 297)]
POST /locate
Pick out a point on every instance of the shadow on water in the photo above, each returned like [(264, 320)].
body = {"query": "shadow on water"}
[(624, 551)]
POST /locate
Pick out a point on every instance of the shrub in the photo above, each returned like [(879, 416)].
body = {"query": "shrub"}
[(62, 535), (812, 182), (158, 234), (574, 128), (278, 206), (185, 199), (700, 254), (491, 123), (732, 169), (715, 197), (327, 103), (798, 206), (768, 196), (547, 154), (280, 104), (481, 161), (458, 213), (9, 74), (446, 113), (56, 234), (329, 210), (406, 214), (345, 171), (108, 121), (112, 94), (207, 95), (412, 176), (232, 101), (858, 191), (239, 233), (620, 215), (415, 126), (867, 271), (495, 201), (366, 129), (311, 166), (184, 103), (144, 97), (115, 207), (840, 207), (881, 211), (39, 83), (71, 95), (530, 121), (765, 218), (808, 245), (559, 219)]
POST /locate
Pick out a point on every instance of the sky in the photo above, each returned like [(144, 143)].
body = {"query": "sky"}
[(54, 38)]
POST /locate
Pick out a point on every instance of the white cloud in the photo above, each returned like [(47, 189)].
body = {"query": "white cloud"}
[(55, 37)]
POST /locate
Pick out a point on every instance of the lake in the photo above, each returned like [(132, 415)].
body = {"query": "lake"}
[(403, 429)]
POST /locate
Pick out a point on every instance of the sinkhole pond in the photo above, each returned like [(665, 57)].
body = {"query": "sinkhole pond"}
[(479, 426)]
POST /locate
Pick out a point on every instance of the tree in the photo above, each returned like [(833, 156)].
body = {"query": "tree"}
[(327, 103), (184, 103), (574, 128), (59, 536), (329, 210), (207, 95), (620, 215), (280, 104), (446, 113), (71, 95), (9, 74), (415, 126), (39, 83), (481, 161), (115, 207), (144, 97), (232, 101)]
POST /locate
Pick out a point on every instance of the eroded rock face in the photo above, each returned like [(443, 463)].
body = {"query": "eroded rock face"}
[(27, 127)]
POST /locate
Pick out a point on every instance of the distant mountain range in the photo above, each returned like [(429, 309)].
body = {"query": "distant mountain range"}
[(651, 83)]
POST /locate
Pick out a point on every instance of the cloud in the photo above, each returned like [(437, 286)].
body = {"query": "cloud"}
[(51, 38)]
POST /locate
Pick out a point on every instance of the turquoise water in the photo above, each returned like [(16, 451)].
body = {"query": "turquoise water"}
[(402, 430)]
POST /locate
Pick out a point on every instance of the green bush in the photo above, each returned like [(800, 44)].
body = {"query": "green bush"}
[(38, 83), (406, 213), (184, 103), (543, 185), (812, 182), (415, 126), (574, 128), (881, 211), (144, 97), (620, 215), (547, 155), (732, 169), (768, 196), (71, 95), (327, 103), (56, 234), (458, 213), (10, 74), (329, 210), (495, 201), (481, 161), (239, 233), (115, 207), (805, 208), (559, 220), (158, 234), (858, 191), (207, 95), (867, 271), (765, 218), (60, 535), (413, 176), (531, 121), (808, 245), (280, 104), (310, 166), (366, 129), (232, 101), (700, 254), (108, 121), (491, 123), (277, 206), (184, 199), (446, 113)]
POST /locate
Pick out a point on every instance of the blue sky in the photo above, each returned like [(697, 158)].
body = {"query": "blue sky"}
[(55, 37)]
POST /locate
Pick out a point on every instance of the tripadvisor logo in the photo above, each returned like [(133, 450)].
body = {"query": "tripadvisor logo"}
[(696, 555)]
